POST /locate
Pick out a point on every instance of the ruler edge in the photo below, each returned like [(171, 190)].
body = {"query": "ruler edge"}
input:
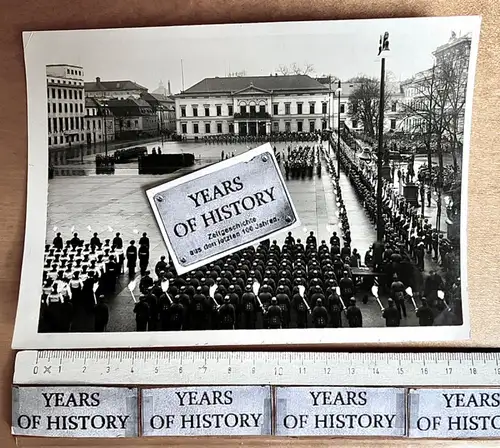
[(30, 357)]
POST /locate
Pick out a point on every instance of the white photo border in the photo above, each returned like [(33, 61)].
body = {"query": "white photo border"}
[(26, 335)]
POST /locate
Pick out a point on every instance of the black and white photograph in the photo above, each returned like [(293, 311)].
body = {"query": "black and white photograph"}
[(248, 184)]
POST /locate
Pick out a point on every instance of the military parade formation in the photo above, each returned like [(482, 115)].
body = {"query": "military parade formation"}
[(296, 284)]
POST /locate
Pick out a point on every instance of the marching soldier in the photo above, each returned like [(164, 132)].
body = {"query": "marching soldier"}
[(161, 266), (274, 314), (346, 288), (75, 241), (145, 283), (391, 315), (101, 315), (354, 316), (141, 310), (284, 303), (198, 310), (227, 315), (144, 241), (335, 311), (95, 242), (143, 257), (319, 315), (131, 259), (176, 315), (111, 274), (249, 306), (58, 242), (424, 314), (397, 293)]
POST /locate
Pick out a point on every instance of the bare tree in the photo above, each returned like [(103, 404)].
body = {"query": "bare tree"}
[(439, 105), (283, 70), (364, 101), (295, 69)]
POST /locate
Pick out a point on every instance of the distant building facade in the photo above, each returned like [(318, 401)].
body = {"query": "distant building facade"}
[(253, 105), (117, 90), (133, 118), (65, 105), (164, 108), (99, 122), (451, 66)]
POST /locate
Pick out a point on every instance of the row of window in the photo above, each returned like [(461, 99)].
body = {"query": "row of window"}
[(261, 109), (71, 71), (71, 94), (208, 127), (67, 107), (63, 139), (62, 81), (65, 124)]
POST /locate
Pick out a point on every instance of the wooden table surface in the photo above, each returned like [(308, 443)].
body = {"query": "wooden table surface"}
[(484, 191)]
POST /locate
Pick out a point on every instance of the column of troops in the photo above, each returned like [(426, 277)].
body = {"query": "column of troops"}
[(293, 285), (302, 161), (408, 236), (78, 275)]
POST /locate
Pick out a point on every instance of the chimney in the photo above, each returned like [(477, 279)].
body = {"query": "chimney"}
[(169, 92), (98, 80)]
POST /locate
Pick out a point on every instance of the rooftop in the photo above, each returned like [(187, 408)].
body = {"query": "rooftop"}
[(268, 83), (99, 85)]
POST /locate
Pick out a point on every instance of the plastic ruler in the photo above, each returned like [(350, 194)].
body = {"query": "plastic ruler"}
[(257, 368)]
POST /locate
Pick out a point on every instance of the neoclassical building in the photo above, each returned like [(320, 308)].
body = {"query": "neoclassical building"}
[(253, 105)]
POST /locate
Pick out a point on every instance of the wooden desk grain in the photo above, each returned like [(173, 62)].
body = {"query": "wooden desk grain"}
[(484, 192)]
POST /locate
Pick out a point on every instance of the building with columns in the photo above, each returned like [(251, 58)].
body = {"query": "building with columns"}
[(253, 105), (65, 105)]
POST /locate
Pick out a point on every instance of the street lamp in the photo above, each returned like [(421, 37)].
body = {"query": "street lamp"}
[(160, 108), (383, 46), (338, 91), (104, 105)]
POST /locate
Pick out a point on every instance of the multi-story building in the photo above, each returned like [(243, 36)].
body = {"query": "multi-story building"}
[(422, 91), (393, 115), (99, 122), (253, 105), (65, 105), (134, 118), (164, 108), (118, 90)]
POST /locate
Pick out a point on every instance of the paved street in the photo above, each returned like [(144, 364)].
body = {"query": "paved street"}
[(117, 203)]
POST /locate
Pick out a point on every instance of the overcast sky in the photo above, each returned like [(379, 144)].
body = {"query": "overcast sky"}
[(343, 49)]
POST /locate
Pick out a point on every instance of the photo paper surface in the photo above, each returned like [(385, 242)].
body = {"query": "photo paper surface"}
[(352, 229)]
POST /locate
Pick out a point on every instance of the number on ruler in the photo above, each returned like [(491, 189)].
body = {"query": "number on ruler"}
[(424, 371), (448, 370), (375, 371), (473, 371), (351, 370), (302, 370), (278, 371), (400, 371)]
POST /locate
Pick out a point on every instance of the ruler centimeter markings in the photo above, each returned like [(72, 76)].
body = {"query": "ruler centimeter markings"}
[(257, 368)]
